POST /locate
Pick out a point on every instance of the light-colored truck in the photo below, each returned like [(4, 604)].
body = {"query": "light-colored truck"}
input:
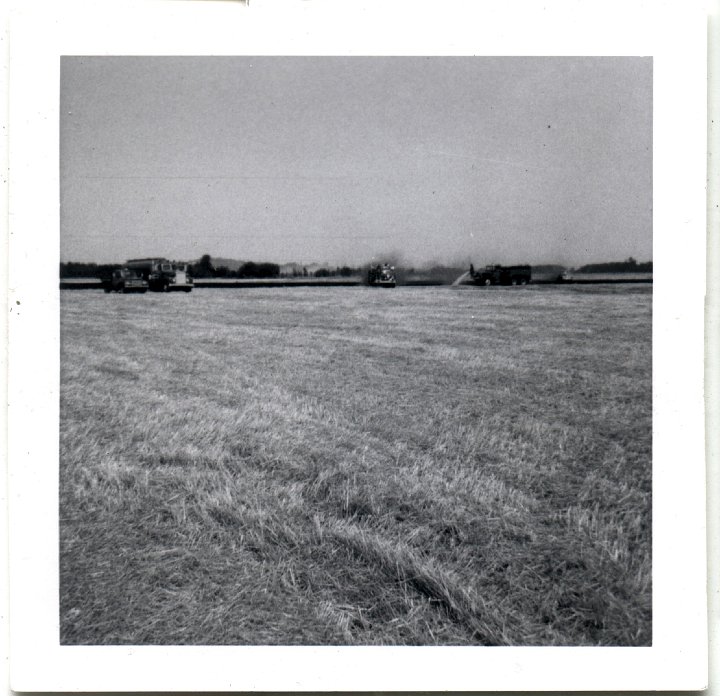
[(163, 275)]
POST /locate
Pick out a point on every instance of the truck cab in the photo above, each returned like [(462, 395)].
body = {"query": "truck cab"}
[(183, 279), (125, 280)]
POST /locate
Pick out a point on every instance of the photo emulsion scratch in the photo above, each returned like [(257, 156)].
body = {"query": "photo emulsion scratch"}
[(356, 351)]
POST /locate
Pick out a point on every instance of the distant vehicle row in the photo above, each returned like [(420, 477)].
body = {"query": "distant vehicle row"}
[(155, 274), (161, 275)]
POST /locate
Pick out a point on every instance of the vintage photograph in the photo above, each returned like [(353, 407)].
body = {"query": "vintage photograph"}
[(356, 351)]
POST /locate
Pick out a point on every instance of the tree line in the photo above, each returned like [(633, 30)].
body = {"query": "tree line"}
[(74, 269), (628, 266), (204, 268)]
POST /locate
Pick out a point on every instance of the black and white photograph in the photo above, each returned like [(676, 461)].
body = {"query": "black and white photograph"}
[(363, 351)]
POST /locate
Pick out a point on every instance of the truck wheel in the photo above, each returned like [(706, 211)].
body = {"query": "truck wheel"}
[(514, 281), (488, 281), (523, 281)]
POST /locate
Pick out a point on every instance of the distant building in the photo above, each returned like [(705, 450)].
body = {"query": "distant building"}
[(313, 268), (291, 270)]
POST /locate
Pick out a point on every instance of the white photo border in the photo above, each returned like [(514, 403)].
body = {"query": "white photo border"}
[(673, 33)]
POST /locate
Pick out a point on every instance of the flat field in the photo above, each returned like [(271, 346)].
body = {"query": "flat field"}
[(348, 466)]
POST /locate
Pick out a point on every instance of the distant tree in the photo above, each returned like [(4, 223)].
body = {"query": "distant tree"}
[(250, 269), (268, 270), (203, 268), (222, 272), (322, 273)]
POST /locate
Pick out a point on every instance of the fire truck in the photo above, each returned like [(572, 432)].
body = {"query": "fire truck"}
[(382, 276), (501, 275), (162, 275)]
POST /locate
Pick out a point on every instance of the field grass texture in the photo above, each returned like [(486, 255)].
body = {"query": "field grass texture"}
[(348, 466)]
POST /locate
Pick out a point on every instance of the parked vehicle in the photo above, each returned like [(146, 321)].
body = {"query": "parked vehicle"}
[(125, 280), (163, 275), (501, 275), (382, 276)]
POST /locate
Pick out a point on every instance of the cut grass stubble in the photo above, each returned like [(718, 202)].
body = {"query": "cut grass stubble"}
[(342, 466)]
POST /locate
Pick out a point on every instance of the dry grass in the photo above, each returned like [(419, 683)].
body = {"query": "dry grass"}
[(354, 466)]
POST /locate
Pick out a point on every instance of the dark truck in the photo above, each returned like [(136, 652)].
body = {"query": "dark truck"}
[(501, 275), (125, 280), (162, 275), (382, 276)]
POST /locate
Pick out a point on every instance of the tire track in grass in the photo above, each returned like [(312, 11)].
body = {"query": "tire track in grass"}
[(487, 626)]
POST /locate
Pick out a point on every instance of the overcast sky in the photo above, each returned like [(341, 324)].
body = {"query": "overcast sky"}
[(342, 160)]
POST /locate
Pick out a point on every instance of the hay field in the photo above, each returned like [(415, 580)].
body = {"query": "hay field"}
[(349, 466)]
